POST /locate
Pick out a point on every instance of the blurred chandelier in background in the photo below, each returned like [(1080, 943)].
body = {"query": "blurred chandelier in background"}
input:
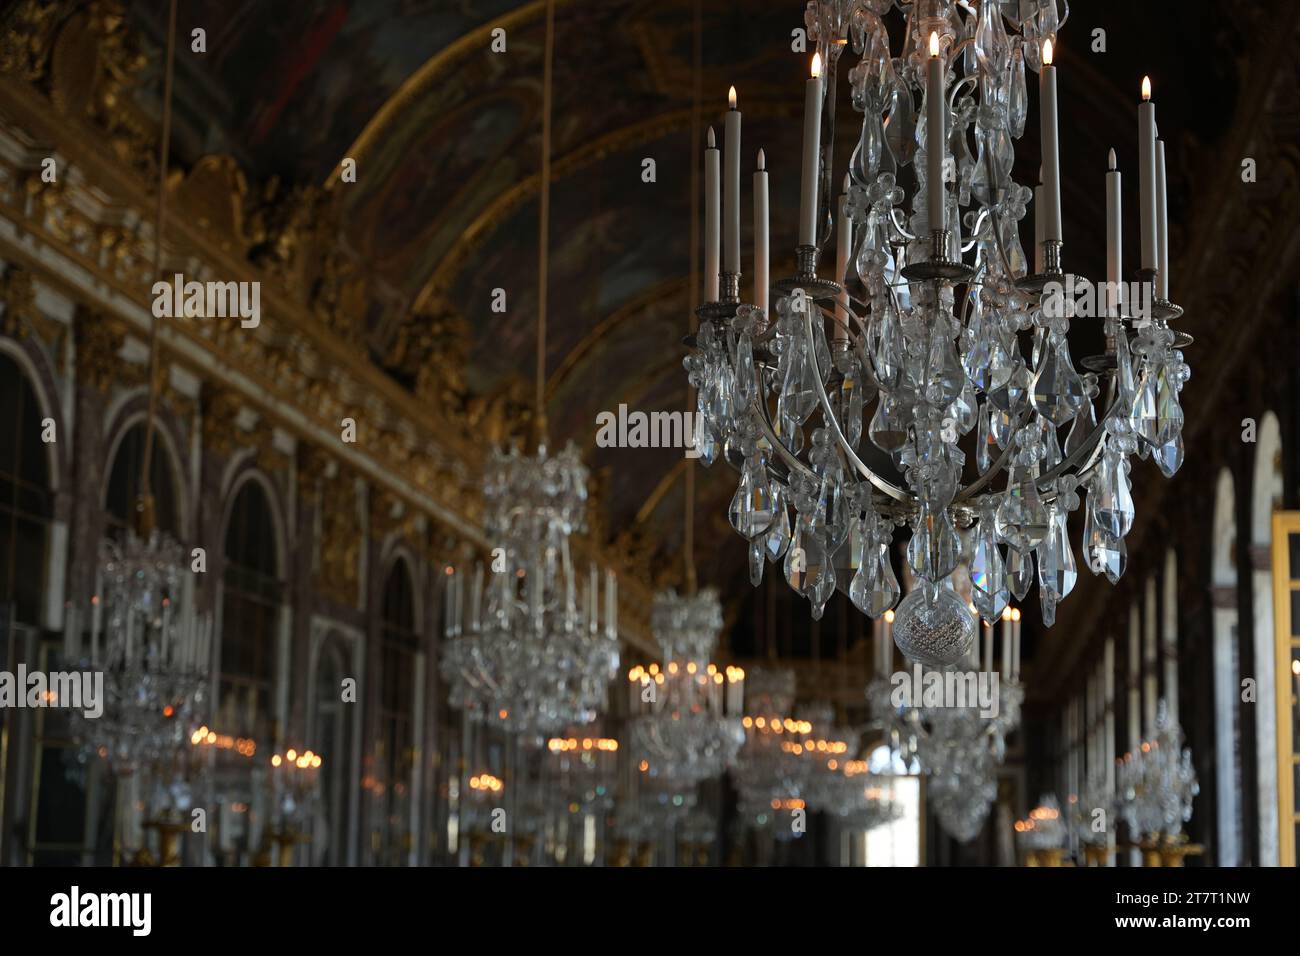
[(687, 714), (954, 340), (1156, 785), (529, 650), (154, 656)]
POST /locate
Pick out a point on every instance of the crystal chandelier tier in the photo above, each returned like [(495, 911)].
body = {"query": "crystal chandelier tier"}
[(1045, 828), (1157, 784), (938, 392), (687, 711), (532, 649)]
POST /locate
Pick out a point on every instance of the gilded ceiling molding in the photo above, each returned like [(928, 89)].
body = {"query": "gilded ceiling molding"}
[(656, 296), (665, 485), (424, 80), (487, 221), (590, 152)]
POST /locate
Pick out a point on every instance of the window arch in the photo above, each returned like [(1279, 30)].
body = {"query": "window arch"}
[(397, 742), (250, 612), (26, 500), (123, 487), (1265, 498)]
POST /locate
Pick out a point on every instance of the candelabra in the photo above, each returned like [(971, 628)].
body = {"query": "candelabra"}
[(1043, 833), (933, 334)]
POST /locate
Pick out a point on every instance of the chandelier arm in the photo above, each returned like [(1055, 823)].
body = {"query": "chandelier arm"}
[(979, 221), (892, 490), (893, 218)]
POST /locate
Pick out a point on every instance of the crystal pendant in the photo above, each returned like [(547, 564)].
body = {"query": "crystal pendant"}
[(1106, 553), (935, 547), (1057, 389), (752, 507), (1111, 499), (933, 629), (1021, 518), (1057, 571), (1020, 572), (988, 573), (778, 533), (757, 554)]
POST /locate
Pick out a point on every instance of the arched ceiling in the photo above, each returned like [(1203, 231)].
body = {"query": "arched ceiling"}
[(446, 135)]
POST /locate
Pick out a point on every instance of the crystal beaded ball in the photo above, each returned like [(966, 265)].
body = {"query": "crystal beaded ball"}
[(933, 629)]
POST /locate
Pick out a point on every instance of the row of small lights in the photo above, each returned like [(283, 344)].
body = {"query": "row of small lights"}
[(1035, 815), (778, 724), (645, 675), (485, 781), (563, 745), (815, 746), (303, 761), (203, 737), (790, 803)]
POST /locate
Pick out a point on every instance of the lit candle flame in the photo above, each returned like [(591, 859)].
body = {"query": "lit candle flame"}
[(731, 98), (817, 65), (889, 616), (1146, 87), (1047, 52), (934, 43)]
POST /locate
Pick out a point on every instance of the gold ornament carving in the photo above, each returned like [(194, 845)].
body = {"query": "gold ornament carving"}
[(340, 544), (99, 338), (222, 435)]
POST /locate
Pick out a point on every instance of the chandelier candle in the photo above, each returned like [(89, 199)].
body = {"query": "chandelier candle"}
[(1050, 147), (731, 189), (1147, 174), (712, 212), (761, 254), (843, 249), (812, 147), (1039, 229), (1006, 642), (1114, 234), (934, 118), (1162, 225)]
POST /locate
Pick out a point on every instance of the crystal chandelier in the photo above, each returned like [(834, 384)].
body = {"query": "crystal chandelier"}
[(1157, 784), (687, 712), (155, 653), (529, 651), (983, 435), (1044, 828)]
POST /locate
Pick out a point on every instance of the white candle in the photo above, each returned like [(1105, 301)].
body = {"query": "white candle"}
[(712, 212), (1162, 224), (988, 647), (1015, 642), (731, 189), (1039, 229), (936, 110), (1050, 146), (761, 253), (1006, 643), (1114, 234), (843, 250), (887, 661), (812, 147), (1147, 174)]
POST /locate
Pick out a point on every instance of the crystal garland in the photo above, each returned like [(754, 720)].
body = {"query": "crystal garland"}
[(155, 656), (529, 651), (687, 712), (938, 344)]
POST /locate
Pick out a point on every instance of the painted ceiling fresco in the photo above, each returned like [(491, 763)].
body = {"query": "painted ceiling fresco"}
[(446, 135)]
